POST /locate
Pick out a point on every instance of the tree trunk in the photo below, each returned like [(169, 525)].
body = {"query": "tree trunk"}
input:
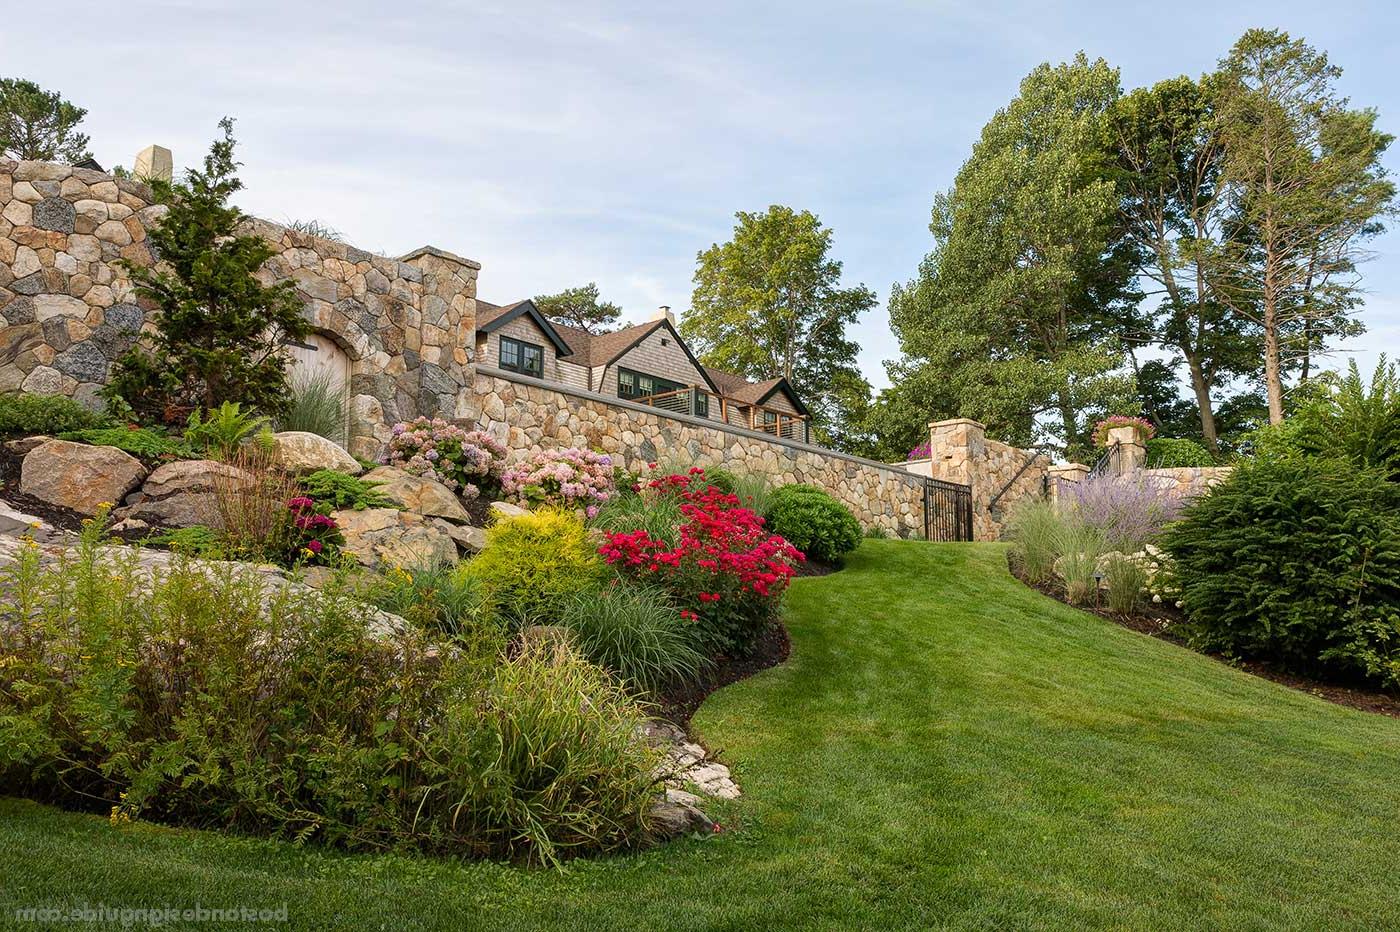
[(1273, 376), (1203, 402)]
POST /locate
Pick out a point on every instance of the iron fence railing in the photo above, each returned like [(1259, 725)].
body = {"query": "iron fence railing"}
[(947, 511)]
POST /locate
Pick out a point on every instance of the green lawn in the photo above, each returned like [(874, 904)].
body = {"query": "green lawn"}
[(945, 748)]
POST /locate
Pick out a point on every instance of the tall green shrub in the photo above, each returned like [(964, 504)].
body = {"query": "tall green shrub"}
[(220, 333), (1296, 559)]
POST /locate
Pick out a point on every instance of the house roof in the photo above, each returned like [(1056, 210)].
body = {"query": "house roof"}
[(493, 316), (754, 393), (602, 349)]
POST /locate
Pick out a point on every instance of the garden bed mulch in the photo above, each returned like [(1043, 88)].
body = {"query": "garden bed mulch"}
[(1157, 621), (679, 703), (60, 518)]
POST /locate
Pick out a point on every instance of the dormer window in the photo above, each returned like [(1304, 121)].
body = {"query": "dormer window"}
[(522, 357)]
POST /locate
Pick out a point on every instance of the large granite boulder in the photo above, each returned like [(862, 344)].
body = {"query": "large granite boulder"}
[(389, 537), (301, 452), (78, 476), (418, 494), (181, 494)]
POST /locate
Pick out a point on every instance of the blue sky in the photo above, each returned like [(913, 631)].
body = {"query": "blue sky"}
[(563, 143)]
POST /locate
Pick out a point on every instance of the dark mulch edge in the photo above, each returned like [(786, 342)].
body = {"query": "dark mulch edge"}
[(814, 567), (1156, 621), (60, 518), (679, 703)]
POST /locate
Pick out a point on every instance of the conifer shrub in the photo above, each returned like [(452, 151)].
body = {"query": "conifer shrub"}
[(23, 414), (1296, 559), (534, 564)]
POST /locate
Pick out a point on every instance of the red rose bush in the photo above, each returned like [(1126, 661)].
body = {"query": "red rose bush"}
[(727, 571)]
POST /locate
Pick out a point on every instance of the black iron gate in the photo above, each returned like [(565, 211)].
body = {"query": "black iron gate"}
[(947, 510)]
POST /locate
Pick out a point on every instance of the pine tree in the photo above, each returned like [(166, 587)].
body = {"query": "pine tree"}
[(221, 332), (39, 125)]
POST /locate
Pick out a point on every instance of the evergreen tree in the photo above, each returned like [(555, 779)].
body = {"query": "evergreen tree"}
[(580, 307), (1306, 187), (39, 125), (220, 332)]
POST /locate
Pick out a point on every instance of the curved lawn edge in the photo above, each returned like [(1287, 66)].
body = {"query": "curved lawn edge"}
[(943, 747)]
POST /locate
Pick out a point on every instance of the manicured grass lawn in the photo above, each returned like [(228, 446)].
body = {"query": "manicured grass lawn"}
[(945, 748)]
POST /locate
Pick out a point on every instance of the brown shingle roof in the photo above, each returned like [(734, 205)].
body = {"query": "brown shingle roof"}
[(599, 349)]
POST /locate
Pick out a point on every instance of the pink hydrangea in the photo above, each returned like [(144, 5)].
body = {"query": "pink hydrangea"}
[(571, 478), (466, 461)]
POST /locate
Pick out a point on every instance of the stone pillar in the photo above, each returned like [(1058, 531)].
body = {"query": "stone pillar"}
[(956, 449), (1129, 453), (958, 453), (154, 163), (448, 330), (1065, 473)]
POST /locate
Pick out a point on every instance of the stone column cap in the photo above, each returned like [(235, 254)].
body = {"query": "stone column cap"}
[(1068, 467), (441, 254), (952, 421)]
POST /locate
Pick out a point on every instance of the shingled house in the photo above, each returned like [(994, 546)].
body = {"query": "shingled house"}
[(647, 363)]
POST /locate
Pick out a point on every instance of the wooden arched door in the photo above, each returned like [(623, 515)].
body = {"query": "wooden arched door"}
[(320, 367)]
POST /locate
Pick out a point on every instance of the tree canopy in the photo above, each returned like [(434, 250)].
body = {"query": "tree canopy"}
[(39, 125), (1019, 308), (769, 302)]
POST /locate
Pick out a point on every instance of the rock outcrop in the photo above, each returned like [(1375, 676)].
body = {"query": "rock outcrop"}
[(302, 452), (389, 537)]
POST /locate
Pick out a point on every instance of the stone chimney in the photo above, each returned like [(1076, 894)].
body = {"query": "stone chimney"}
[(154, 163), (664, 312)]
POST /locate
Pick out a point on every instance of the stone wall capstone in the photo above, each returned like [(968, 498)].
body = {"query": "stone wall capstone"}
[(68, 308), (529, 415)]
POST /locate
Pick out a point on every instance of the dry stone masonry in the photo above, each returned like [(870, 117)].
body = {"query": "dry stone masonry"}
[(528, 415), (68, 309)]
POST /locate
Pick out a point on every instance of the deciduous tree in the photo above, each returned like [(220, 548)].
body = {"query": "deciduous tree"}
[(770, 303), (1020, 306)]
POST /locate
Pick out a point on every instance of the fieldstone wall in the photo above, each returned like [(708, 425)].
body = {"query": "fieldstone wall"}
[(528, 415), (959, 451), (68, 308)]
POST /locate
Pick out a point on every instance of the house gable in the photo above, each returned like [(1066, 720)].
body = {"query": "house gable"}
[(496, 318), (656, 349)]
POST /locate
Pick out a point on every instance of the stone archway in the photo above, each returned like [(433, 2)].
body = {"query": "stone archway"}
[(319, 363)]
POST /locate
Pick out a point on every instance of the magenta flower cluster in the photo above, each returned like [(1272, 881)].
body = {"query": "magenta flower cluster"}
[(571, 478), (1145, 428), (466, 461)]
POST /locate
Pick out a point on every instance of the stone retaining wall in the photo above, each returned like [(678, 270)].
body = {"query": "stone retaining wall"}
[(959, 451), (68, 308), (529, 415)]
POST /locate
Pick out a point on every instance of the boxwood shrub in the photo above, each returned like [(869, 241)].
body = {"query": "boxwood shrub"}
[(1169, 452), (1296, 560), (813, 522)]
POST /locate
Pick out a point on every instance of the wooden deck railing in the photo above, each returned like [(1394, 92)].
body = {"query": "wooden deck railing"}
[(760, 418)]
